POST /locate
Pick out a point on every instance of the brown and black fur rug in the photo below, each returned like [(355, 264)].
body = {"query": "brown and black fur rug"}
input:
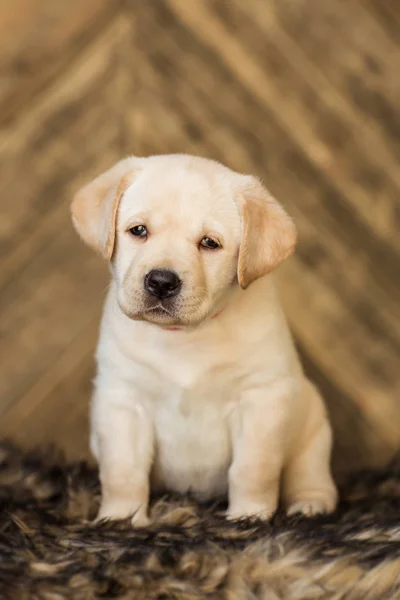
[(49, 550)]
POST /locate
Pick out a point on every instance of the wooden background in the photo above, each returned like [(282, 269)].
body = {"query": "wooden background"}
[(304, 93)]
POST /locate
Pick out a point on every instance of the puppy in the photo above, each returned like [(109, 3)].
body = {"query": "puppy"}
[(199, 388)]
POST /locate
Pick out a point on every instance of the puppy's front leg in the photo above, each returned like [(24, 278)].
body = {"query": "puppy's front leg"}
[(123, 437), (258, 426)]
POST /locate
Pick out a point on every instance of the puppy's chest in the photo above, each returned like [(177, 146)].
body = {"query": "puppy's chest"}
[(193, 449), (193, 371), (194, 398)]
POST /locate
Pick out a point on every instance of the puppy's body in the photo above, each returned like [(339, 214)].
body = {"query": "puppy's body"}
[(204, 392), (190, 382)]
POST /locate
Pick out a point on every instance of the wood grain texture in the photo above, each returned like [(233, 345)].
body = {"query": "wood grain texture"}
[(38, 40), (303, 93), (51, 287)]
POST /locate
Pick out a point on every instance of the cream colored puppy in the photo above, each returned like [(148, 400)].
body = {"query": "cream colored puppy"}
[(198, 387)]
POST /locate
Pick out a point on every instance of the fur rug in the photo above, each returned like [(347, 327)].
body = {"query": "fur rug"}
[(49, 550)]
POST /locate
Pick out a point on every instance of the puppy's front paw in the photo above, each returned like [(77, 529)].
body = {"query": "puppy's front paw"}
[(311, 507), (250, 510), (140, 519), (123, 509)]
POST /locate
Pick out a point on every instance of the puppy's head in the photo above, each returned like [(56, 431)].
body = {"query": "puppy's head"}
[(181, 232)]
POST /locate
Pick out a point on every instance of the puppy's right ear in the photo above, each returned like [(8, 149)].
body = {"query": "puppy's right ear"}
[(94, 207)]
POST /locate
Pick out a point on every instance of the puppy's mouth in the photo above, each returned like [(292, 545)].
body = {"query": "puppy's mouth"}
[(159, 309), (166, 312), (162, 312)]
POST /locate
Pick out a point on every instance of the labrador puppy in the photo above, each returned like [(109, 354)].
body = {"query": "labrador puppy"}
[(199, 388)]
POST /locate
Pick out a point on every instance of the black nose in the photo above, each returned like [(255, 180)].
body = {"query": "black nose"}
[(162, 283)]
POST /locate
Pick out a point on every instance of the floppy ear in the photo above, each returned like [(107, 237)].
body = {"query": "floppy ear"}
[(268, 233), (94, 207)]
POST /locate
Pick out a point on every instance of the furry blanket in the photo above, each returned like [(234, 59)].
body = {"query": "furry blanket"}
[(49, 550)]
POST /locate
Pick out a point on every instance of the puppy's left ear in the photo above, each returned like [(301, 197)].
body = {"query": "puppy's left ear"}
[(94, 207), (268, 233)]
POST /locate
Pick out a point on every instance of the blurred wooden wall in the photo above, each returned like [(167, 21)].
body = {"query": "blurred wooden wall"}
[(304, 93)]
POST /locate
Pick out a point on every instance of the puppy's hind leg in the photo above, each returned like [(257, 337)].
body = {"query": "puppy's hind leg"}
[(308, 487)]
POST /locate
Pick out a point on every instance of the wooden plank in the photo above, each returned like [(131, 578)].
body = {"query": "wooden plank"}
[(38, 40), (387, 13), (333, 338), (361, 62), (55, 408), (60, 288)]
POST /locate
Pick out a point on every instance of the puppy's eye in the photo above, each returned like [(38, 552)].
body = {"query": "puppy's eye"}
[(138, 231), (209, 243)]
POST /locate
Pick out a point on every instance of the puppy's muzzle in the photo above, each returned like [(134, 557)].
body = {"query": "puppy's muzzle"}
[(162, 283)]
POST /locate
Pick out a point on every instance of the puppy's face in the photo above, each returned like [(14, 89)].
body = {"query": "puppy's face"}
[(177, 242), (181, 232)]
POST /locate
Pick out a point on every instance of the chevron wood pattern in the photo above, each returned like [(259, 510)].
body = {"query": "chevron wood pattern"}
[(304, 93)]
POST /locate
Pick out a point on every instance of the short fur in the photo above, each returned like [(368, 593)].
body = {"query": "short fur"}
[(49, 549), (217, 406)]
